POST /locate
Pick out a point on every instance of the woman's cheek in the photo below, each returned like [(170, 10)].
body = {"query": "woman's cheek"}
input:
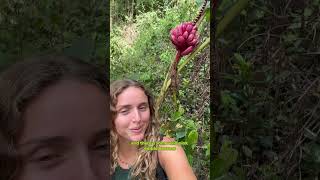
[(146, 119), (121, 124), (118, 125)]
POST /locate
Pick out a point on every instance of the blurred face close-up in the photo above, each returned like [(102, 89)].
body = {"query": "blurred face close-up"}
[(65, 134), (133, 114)]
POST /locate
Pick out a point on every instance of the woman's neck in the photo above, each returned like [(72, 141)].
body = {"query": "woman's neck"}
[(127, 151)]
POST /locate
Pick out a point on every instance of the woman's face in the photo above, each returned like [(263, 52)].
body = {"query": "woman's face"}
[(133, 114), (66, 134)]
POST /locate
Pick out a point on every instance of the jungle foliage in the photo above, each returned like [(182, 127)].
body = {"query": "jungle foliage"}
[(30, 28), (268, 124), (141, 49)]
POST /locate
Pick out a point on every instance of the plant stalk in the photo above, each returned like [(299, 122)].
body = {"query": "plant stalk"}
[(167, 81)]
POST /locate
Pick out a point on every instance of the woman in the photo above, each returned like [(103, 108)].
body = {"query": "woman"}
[(133, 120), (53, 113)]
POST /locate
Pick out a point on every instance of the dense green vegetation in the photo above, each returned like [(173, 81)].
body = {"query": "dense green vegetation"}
[(268, 124), (141, 49), (29, 28)]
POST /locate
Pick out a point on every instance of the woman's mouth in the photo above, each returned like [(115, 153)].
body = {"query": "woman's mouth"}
[(136, 130)]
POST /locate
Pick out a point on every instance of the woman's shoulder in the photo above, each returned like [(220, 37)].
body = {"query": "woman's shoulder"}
[(164, 138), (172, 158), (168, 149)]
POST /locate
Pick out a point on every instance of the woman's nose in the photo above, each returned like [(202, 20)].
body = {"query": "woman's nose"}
[(86, 169), (136, 115)]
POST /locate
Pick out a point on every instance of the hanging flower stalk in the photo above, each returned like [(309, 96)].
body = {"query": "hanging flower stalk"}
[(173, 68), (185, 38)]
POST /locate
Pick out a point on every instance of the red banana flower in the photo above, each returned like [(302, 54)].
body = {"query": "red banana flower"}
[(185, 38)]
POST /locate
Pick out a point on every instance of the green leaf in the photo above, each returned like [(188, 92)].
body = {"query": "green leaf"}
[(315, 152), (240, 173), (145, 77), (192, 138), (239, 57), (227, 100), (218, 167), (190, 158), (207, 14), (226, 158), (309, 134), (231, 14), (247, 151), (260, 13), (181, 133), (290, 37), (199, 3), (208, 150), (307, 12), (175, 116), (181, 110), (190, 124)]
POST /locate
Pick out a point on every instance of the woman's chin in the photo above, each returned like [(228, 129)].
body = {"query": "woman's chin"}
[(137, 137)]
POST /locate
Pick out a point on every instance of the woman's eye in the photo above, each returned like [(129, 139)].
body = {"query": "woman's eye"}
[(48, 160), (48, 157), (143, 108), (124, 112), (103, 149), (45, 156), (103, 146)]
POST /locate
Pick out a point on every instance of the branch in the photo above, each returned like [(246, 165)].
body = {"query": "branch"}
[(230, 15), (167, 80)]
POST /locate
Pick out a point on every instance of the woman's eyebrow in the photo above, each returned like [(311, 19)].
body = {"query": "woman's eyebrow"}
[(128, 105), (45, 140), (143, 104), (124, 106), (29, 147)]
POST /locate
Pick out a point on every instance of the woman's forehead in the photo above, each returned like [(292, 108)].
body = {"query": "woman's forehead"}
[(132, 95), (69, 108)]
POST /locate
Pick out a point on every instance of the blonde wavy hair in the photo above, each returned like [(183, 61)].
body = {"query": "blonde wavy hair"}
[(146, 164)]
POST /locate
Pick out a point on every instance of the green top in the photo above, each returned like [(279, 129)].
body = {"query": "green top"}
[(123, 174), (120, 174)]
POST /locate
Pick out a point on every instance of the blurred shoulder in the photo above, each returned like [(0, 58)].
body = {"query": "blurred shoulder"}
[(174, 160), (174, 150)]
